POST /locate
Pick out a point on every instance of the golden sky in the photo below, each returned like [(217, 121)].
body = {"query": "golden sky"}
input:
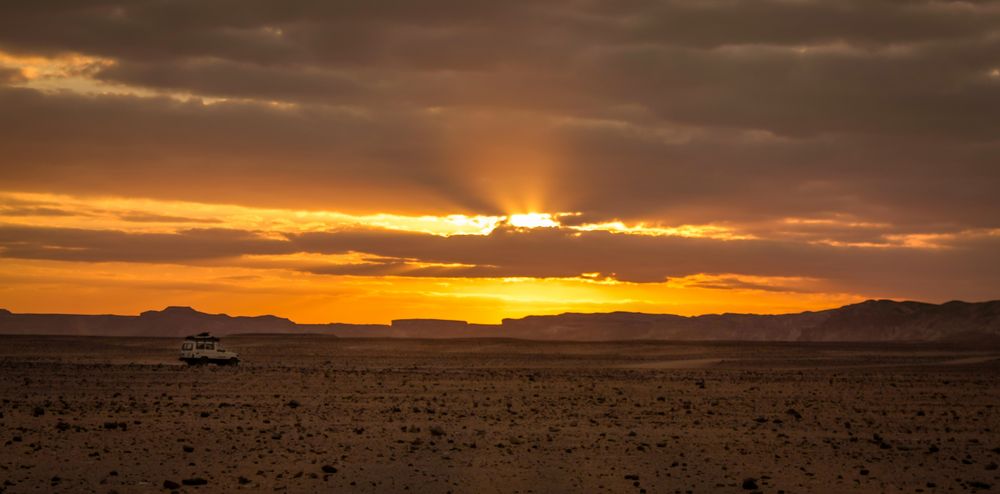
[(497, 159), (183, 253)]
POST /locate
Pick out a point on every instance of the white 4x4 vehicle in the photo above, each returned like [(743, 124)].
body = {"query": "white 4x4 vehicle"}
[(204, 348)]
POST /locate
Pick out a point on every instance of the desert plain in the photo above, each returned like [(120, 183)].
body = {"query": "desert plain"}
[(312, 413)]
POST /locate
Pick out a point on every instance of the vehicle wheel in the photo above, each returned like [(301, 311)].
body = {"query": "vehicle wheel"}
[(203, 361), (234, 362)]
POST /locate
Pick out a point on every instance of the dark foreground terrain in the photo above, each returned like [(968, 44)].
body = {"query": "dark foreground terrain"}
[(312, 413)]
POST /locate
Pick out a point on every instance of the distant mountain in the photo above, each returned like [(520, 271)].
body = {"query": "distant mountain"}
[(873, 320), (172, 321)]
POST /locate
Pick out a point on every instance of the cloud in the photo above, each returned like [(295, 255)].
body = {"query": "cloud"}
[(144, 217), (10, 75), (36, 211), (962, 267), (261, 155), (69, 244), (792, 68), (735, 283), (805, 22), (301, 30), (789, 90), (419, 162), (552, 252)]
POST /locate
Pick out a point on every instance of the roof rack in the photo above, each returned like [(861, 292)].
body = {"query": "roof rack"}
[(202, 337)]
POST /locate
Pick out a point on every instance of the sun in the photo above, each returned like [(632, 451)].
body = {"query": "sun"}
[(532, 220)]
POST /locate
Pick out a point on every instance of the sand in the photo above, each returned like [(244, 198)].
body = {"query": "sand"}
[(308, 414)]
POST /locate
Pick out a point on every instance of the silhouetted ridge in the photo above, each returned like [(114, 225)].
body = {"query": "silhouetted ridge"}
[(872, 320)]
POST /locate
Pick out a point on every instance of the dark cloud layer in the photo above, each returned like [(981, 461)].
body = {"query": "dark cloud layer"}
[(324, 158), (885, 110), (877, 117)]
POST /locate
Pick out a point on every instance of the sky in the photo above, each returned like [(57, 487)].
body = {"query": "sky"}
[(467, 159)]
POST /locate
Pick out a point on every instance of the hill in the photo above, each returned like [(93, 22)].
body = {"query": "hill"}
[(873, 320)]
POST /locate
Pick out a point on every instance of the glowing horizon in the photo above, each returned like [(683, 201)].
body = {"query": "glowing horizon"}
[(314, 299), (412, 287)]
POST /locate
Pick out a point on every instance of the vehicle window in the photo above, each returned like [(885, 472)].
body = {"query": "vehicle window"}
[(187, 346), (201, 346), (209, 346)]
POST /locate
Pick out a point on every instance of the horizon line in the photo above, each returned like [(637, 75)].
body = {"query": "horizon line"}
[(390, 323)]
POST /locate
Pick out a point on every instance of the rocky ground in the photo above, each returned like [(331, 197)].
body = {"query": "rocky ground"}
[(307, 414)]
